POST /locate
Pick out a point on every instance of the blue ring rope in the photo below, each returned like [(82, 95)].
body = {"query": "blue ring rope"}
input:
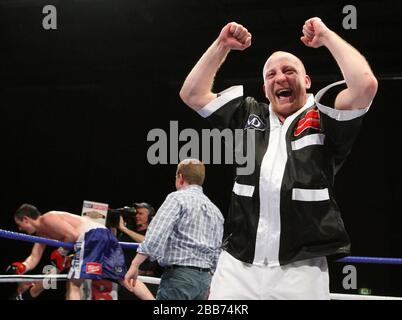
[(131, 245), (375, 260), (51, 242)]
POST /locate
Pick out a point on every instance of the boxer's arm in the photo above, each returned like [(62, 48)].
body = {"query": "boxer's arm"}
[(59, 258), (360, 80), (196, 91), (36, 254)]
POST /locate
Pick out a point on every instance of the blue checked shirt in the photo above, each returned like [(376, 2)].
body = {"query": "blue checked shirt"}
[(187, 230)]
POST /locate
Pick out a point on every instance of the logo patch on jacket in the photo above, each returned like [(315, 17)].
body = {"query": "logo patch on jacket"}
[(255, 122), (310, 120), (93, 268)]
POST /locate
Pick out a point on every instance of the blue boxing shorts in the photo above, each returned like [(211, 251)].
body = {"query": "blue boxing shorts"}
[(98, 255)]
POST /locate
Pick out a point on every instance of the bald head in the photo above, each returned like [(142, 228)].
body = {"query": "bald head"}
[(285, 83), (281, 55)]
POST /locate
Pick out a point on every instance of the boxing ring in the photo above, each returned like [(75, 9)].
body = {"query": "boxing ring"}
[(152, 280)]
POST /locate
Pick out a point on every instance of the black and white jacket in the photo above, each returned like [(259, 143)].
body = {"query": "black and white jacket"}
[(285, 210)]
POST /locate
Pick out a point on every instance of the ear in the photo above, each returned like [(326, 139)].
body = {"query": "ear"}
[(263, 89), (308, 81)]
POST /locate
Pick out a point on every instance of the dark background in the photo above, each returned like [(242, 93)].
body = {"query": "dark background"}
[(77, 103)]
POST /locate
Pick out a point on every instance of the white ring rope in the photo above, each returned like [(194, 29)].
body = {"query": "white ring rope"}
[(154, 280), (341, 296), (58, 277), (31, 277)]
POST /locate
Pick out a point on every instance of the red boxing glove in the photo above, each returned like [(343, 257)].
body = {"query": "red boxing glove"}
[(16, 268), (59, 258)]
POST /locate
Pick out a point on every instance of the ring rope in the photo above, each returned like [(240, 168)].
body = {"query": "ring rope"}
[(51, 242), (342, 296), (153, 280), (31, 277), (131, 245), (58, 277), (375, 260)]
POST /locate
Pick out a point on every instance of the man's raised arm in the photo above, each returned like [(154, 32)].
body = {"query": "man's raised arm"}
[(360, 80), (196, 91)]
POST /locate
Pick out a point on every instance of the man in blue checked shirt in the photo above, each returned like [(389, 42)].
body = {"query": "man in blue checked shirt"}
[(185, 237)]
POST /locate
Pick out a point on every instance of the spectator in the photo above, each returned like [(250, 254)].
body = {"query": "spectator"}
[(185, 237)]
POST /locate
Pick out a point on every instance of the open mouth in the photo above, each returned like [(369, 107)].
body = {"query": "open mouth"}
[(284, 93)]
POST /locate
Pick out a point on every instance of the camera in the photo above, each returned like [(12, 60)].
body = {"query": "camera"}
[(127, 213)]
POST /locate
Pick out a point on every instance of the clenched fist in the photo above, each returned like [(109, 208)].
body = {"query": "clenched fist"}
[(314, 32), (234, 37)]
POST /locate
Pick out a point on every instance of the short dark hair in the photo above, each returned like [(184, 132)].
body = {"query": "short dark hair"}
[(27, 210)]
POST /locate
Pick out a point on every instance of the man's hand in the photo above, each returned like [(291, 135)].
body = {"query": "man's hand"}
[(196, 91), (314, 33), (131, 277), (234, 37), (16, 268), (122, 225), (59, 258)]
